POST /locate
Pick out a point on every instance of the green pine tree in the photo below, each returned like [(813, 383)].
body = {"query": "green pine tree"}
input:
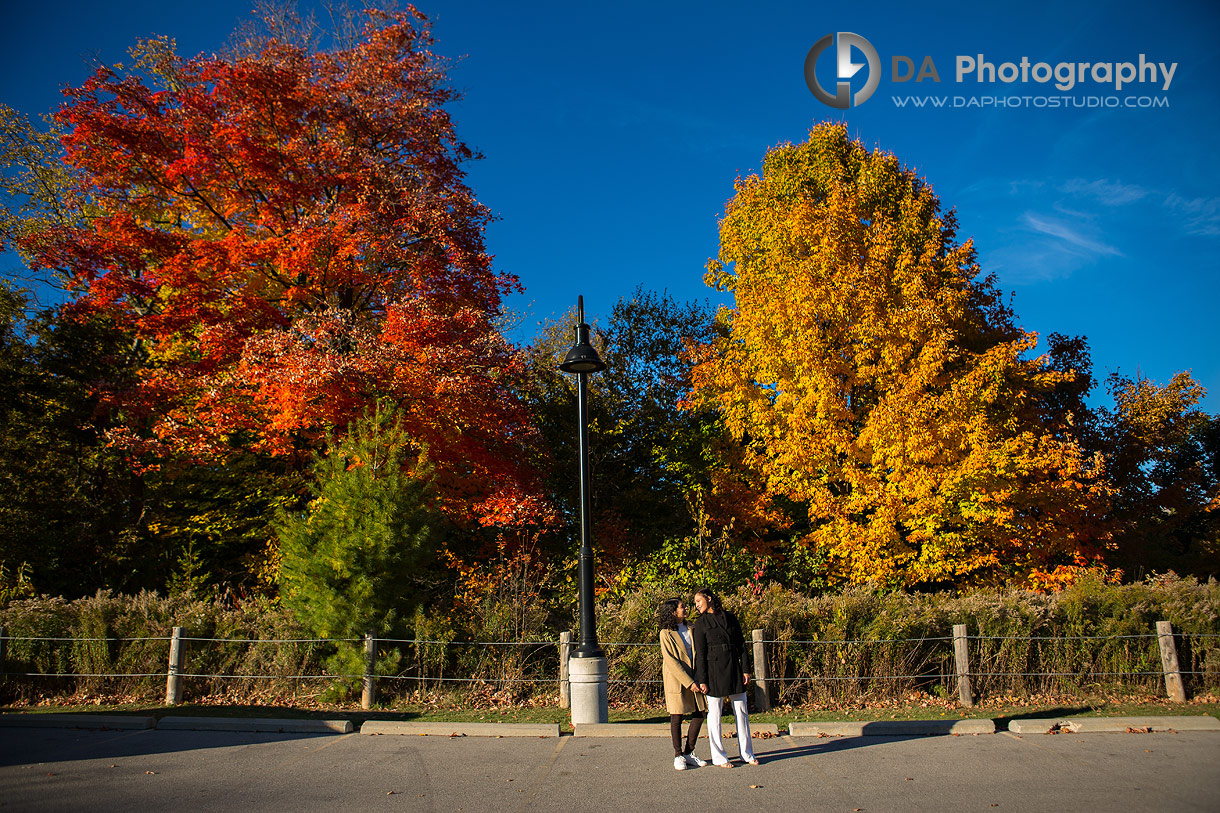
[(350, 562)]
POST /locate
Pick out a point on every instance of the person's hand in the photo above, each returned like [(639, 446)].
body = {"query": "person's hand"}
[(703, 688), (745, 679)]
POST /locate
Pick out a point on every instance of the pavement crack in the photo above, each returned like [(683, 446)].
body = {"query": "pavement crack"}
[(308, 752), (540, 777)]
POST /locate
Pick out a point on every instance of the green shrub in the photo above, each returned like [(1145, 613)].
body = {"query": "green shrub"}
[(855, 646)]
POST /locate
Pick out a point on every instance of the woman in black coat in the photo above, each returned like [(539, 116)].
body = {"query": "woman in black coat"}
[(719, 646)]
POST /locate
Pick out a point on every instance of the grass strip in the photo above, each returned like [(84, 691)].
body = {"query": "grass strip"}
[(1001, 713)]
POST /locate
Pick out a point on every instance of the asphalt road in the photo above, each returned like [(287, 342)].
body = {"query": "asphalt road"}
[(62, 769)]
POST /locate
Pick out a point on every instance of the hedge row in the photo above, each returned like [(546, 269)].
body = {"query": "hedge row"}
[(861, 644), (851, 646)]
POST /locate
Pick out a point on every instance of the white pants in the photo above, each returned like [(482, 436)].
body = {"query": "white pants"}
[(745, 745)]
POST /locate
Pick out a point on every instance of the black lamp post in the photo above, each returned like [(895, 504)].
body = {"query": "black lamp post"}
[(582, 359)]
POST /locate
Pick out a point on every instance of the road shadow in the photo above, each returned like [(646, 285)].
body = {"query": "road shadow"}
[(78, 738), (830, 745), (82, 739), (46, 746), (1001, 723)]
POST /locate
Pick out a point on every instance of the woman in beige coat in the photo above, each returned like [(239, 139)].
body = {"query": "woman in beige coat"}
[(682, 695)]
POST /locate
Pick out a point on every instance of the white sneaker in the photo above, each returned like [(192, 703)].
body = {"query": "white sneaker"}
[(679, 764), (694, 761)]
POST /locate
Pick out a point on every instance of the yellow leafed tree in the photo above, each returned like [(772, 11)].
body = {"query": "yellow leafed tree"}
[(873, 375)]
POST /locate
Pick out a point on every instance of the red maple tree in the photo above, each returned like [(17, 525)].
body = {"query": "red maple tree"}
[(287, 235)]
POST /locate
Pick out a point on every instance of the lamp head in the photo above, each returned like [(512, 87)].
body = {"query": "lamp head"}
[(582, 358)]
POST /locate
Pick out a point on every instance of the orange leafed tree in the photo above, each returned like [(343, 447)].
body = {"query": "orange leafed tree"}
[(287, 235), (873, 375)]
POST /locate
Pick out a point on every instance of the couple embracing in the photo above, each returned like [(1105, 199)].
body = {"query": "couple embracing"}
[(702, 666)]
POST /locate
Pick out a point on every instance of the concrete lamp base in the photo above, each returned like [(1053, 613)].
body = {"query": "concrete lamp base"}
[(587, 679)]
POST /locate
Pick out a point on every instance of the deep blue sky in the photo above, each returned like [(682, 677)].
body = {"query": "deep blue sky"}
[(613, 134)]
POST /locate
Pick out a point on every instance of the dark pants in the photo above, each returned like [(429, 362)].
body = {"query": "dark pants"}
[(692, 734)]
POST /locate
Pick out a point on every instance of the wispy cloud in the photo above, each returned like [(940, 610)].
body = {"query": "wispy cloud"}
[(1076, 214), (1197, 216), (1044, 248), (1105, 191), (1200, 215), (1032, 262), (1001, 186), (1069, 234)]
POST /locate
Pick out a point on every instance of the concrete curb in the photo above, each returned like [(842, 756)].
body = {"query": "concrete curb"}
[(114, 721), (1043, 725), (891, 728), (1122, 725), (282, 726), (660, 730), (461, 729)]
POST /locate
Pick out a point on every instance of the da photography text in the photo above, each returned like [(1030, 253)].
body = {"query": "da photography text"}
[(857, 69)]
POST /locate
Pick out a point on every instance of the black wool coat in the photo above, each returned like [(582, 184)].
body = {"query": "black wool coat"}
[(719, 647)]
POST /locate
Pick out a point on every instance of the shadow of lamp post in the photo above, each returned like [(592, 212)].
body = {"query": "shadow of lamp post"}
[(587, 666)]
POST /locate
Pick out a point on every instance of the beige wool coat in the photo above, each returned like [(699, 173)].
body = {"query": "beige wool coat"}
[(678, 673)]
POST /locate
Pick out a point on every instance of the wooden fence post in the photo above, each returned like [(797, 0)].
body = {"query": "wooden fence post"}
[(368, 695), (961, 658), (762, 689), (1169, 663), (565, 650), (173, 679)]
